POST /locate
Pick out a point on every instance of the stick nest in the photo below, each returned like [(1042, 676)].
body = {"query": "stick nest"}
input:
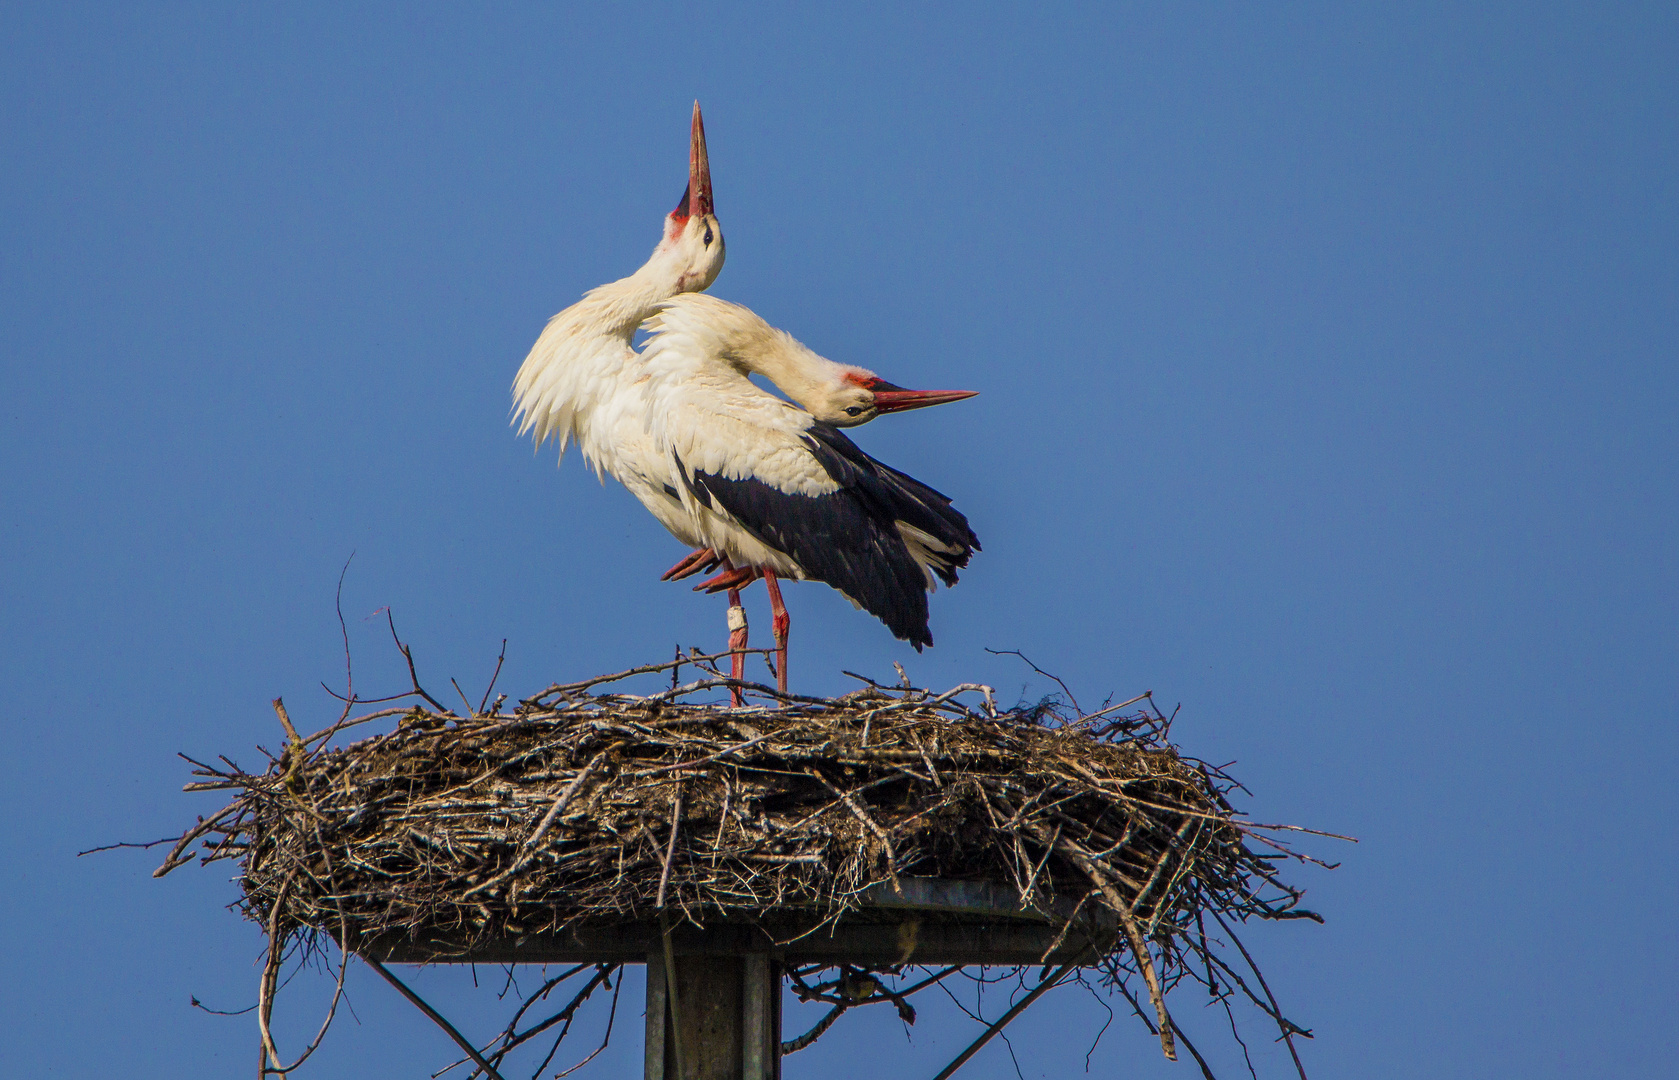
[(578, 806)]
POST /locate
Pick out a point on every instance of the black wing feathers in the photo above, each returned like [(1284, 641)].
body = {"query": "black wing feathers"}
[(850, 539)]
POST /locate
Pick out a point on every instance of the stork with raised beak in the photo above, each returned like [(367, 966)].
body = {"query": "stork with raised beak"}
[(580, 381), (583, 381)]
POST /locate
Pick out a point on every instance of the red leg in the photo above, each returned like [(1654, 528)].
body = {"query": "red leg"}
[(780, 622), (737, 644), (697, 563)]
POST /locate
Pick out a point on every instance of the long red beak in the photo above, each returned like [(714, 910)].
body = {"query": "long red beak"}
[(698, 194), (696, 197), (898, 399)]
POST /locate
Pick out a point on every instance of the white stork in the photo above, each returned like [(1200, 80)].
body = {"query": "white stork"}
[(581, 380), (776, 490)]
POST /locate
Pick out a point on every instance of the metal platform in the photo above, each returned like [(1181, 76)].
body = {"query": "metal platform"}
[(717, 1015), (924, 921)]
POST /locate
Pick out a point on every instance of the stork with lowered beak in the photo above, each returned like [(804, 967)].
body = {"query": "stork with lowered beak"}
[(777, 489)]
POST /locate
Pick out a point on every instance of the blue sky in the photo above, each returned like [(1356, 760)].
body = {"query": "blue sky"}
[(1327, 358)]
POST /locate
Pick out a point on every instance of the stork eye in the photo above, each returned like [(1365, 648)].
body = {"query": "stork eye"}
[(708, 236), (855, 410)]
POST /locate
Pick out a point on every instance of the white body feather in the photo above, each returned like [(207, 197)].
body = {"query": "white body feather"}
[(706, 416)]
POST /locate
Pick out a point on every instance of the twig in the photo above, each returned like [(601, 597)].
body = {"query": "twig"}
[(1084, 720), (1003, 1021), (1040, 671), (285, 720), (436, 1017), (126, 844), (500, 658), (793, 1046), (670, 850), (542, 992), (1134, 935), (672, 1027), (195, 1003), (644, 669), (322, 737), (204, 825), (1288, 1030), (611, 1015), (270, 971), (344, 632), (462, 694), (1027, 891), (603, 972), (414, 676)]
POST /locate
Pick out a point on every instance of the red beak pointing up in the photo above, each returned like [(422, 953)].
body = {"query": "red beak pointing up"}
[(699, 169), (696, 198)]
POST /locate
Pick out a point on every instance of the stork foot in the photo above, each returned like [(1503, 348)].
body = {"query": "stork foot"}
[(732, 579), (699, 562)]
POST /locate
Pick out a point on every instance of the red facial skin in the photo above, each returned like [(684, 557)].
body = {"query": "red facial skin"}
[(889, 397)]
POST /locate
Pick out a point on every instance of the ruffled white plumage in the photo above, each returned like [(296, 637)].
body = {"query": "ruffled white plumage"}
[(707, 416)]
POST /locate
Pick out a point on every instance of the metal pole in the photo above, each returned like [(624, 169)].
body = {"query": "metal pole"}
[(720, 1012), (658, 1009), (760, 1029)]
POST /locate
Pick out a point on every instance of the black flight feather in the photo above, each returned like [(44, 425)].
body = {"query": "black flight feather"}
[(849, 538)]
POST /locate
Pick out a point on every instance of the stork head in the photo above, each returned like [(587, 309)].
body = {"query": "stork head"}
[(856, 395), (693, 240)]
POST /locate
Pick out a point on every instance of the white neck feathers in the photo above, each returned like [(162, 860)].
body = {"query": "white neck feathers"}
[(580, 360), (718, 330)]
